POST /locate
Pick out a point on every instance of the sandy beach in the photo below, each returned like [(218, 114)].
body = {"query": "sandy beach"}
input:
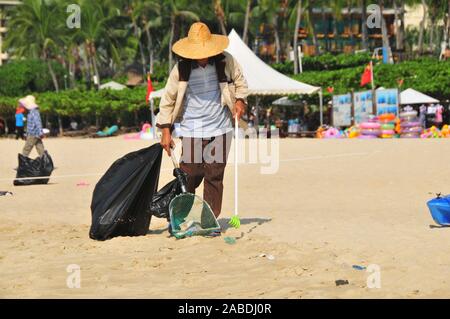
[(331, 205)]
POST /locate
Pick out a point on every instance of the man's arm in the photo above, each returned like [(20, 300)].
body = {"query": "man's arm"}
[(167, 103), (166, 108), (241, 88)]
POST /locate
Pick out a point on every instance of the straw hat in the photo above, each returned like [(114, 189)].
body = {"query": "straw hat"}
[(200, 43), (29, 102)]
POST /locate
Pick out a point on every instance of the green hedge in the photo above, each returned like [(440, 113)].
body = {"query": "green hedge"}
[(425, 75), (83, 103), (326, 61), (19, 78)]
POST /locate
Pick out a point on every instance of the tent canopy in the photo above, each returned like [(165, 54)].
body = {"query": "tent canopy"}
[(156, 94), (113, 86), (411, 96), (261, 78), (285, 101)]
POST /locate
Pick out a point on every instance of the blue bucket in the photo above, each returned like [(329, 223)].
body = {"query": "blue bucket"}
[(440, 210)]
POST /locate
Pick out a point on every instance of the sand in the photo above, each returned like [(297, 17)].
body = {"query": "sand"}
[(331, 205)]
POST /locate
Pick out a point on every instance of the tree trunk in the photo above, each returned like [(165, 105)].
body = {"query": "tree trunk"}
[(399, 24), (218, 9), (365, 35), (350, 22), (422, 27), (384, 33), (141, 48), (277, 39), (247, 21), (150, 48), (313, 30), (172, 34), (297, 26)]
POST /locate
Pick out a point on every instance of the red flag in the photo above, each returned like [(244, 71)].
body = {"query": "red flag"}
[(400, 82), (330, 89), (149, 88), (367, 75)]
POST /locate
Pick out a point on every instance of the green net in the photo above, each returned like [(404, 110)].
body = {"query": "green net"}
[(192, 216)]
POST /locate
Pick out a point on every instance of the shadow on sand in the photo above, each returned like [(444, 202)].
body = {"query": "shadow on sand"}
[(224, 225)]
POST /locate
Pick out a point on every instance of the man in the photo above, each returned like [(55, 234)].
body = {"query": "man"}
[(34, 127), (206, 90)]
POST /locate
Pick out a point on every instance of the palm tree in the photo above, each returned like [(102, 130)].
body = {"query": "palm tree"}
[(247, 21), (364, 33), (422, 26), (99, 30), (312, 29), (220, 15), (177, 16), (384, 33), (37, 32), (297, 26)]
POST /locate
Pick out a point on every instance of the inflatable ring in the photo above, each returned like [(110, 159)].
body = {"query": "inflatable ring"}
[(332, 133), (416, 129), (408, 114), (387, 117), (387, 126), (387, 132), (410, 124), (146, 127), (409, 135), (371, 132), (370, 125)]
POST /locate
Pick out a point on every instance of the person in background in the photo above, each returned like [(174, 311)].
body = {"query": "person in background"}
[(423, 115), (34, 127), (20, 119), (438, 117)]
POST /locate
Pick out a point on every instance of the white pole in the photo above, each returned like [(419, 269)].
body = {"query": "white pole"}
[(153, 117), (236, 158), (300, 54), (321, 106)]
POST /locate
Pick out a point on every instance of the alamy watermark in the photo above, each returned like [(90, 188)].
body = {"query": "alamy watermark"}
[(73, 280), (374, 279), (374, 17), (74, 19)]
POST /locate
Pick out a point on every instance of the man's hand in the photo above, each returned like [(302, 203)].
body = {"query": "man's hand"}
[(239, 109), (166, 140)]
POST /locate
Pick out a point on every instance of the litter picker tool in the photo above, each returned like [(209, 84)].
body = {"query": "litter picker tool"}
[(235, 221)]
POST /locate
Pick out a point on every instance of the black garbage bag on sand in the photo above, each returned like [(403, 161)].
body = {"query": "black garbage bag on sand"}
[(122, 197), (159, 206), (39, 167)]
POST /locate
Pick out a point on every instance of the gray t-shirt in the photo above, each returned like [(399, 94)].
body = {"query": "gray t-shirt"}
[(203, 115)]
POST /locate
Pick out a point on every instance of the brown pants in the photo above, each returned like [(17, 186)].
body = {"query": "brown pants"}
[(206, 159), (30, 143)]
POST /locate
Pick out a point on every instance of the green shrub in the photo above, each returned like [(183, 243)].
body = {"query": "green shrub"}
[(326, 61), (22, 77)]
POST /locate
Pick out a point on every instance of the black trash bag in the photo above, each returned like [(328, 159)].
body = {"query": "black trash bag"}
[(159, 206), (41, 166), (122, 196)]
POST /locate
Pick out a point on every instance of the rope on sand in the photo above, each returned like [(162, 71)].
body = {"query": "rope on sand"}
[(169, 169)]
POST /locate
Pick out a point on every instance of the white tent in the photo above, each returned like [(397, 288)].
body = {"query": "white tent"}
[(113, 86), (285, 101), (156, 94), (261, 78), (264, 80), (411, 96)]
